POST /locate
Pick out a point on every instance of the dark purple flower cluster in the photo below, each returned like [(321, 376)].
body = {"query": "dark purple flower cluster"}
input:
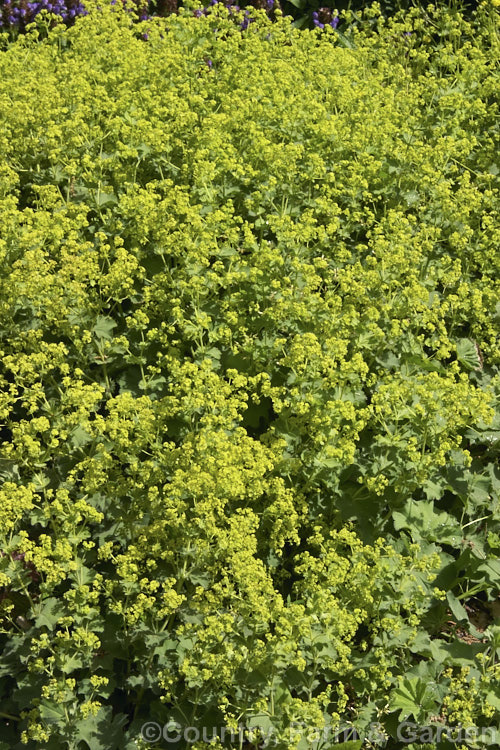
[(267, 5), (325, 17), (18, 13)]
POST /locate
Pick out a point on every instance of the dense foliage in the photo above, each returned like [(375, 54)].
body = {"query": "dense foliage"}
[(16, 15), (249, 315)]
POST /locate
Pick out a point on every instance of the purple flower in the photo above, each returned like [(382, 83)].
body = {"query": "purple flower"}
[(18, 13), (324, 17), (316, 21)]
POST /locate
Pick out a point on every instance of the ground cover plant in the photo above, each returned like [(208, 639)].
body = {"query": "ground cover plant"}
[(249, 316), (16, 15)]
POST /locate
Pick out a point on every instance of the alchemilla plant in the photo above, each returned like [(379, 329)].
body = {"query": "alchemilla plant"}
[(250, 379)]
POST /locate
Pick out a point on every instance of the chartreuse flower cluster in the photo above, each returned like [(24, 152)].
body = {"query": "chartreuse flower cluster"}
[(249, 317)]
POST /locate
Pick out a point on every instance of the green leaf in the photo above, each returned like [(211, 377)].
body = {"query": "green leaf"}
[(80, 437), (344, 41), (102, 731), (456, 608), (411, 197), (490, 570), (155, 384), (468, 354), (52, 712), (158, 644), (412, 697), (71, 663), (103, 199), (493, 699), (435, 487), (48, 613), (301, 22), (9, 470), (261, 721), (104, 327), (456, 652), (425, 523), (479, 489)]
